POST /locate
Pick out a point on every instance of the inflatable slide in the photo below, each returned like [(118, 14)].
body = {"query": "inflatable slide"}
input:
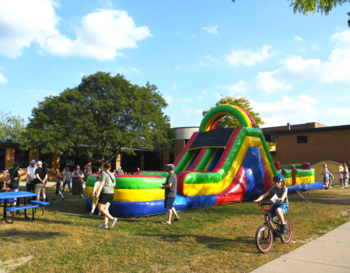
[(217, 166)]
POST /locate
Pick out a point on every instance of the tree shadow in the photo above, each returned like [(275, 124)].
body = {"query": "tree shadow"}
[(8, 235), (208, 241)]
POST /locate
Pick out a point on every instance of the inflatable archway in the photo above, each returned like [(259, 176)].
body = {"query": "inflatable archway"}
[(216, 167)]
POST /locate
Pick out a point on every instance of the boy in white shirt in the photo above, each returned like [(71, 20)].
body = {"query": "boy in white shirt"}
[(94, 193)]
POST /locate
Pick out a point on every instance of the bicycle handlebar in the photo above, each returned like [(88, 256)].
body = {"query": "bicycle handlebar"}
[(262, 204)]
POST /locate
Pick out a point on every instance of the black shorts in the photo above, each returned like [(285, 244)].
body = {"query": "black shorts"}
[(106, 198), (169, 202)]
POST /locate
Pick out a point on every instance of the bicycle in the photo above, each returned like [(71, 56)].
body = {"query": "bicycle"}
[(270, 230)]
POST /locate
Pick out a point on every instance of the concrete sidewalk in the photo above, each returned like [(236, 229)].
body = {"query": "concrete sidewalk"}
[(329, 253)]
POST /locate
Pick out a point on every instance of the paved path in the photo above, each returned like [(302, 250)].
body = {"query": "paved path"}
[(329, 253)]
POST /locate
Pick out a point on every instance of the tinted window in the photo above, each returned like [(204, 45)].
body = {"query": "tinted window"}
[(302, 139), (22, 158), (46, 159)]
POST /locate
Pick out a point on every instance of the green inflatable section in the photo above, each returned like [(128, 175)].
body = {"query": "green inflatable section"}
[(204, 177), (303, 173), (129, 182)]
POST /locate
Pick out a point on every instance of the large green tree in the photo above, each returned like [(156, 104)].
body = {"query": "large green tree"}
[(231, 122), (11, 126), (100, 118), (306, 6)]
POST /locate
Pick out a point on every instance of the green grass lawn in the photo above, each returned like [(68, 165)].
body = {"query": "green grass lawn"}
[(219, 238)]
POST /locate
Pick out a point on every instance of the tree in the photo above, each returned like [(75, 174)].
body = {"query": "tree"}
[(11, 126), (305, 6), (100, 118), (231, 122)]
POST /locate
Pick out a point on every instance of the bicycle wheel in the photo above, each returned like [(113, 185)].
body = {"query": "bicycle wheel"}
[(263, 238), (286, 238)]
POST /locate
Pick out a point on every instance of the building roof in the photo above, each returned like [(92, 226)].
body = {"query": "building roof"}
[(329, 128)]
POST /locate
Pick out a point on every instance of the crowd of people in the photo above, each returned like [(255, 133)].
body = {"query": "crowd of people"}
[(328, 177)]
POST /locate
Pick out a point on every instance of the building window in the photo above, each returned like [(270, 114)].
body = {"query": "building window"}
[(46, 159), (269, 138), (2, 158), (22, 158), (301, 139), (130, 163), (152, 162)]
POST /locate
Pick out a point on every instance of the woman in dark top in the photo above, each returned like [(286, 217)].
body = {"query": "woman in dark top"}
[(77, 182), (14, 174)]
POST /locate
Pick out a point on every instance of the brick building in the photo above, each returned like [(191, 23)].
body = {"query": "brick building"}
[(309, 142), (55, 162)]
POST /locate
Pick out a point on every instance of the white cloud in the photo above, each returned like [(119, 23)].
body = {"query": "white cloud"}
[(204, 92), (82, 75), (23, 22), (211, 29), (212, 59), (135, 70), (178, 67), (106, 3), (297, 69), (178, 33), (202, 64), (217, 96), (101, 34), (2, 79), (174, 87), (200, 98), (189, 111), (248, 57), (280, 112), (169, 99), (298, 38), (186, 100), (240, 87), (315, 47)]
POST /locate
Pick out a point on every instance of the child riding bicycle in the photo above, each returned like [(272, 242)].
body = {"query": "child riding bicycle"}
[(281, 205)]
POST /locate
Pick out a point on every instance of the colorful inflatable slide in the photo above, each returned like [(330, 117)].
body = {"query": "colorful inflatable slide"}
[(216, 167)]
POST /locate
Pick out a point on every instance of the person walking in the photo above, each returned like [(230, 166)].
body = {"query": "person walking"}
[(105, 195), (341, 180), (31, 176), (345, 175), (66, 179), (58, 188), (330, 180), (120, 171), (77, 182), (14, 174), (170, 187), (40, 182), (325, 175), (87, 172), (94, 194)]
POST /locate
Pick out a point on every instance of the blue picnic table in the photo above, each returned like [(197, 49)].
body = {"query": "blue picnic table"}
[(8, 197)]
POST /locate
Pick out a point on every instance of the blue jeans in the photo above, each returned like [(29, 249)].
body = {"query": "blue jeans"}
[(67, 182)]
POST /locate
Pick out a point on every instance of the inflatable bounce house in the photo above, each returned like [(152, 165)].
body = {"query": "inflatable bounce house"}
[(216, 167)]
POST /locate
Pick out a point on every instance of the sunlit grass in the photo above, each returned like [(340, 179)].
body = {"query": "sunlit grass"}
[(219, 238)]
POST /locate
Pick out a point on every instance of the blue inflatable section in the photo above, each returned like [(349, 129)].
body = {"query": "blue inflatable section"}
[(254, 173), (139, 209), (216, 159), (305, 187)]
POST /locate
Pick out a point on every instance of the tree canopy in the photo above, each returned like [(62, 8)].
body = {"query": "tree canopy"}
[(11, 126), (306, 6), (231, 122), (100, 118)]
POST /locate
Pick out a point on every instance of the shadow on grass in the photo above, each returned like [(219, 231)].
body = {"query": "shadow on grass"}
[(10, 234), (208, 241)]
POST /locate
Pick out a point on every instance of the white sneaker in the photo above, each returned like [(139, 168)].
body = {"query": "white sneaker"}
[(70, 193), (113, 222), (103, 226), (91, 213), (99, 214)]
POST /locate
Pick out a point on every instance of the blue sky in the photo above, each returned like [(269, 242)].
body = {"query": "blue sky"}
[(293, 68)]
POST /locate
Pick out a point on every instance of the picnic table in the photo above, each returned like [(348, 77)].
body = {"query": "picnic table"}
[(7, 196)]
